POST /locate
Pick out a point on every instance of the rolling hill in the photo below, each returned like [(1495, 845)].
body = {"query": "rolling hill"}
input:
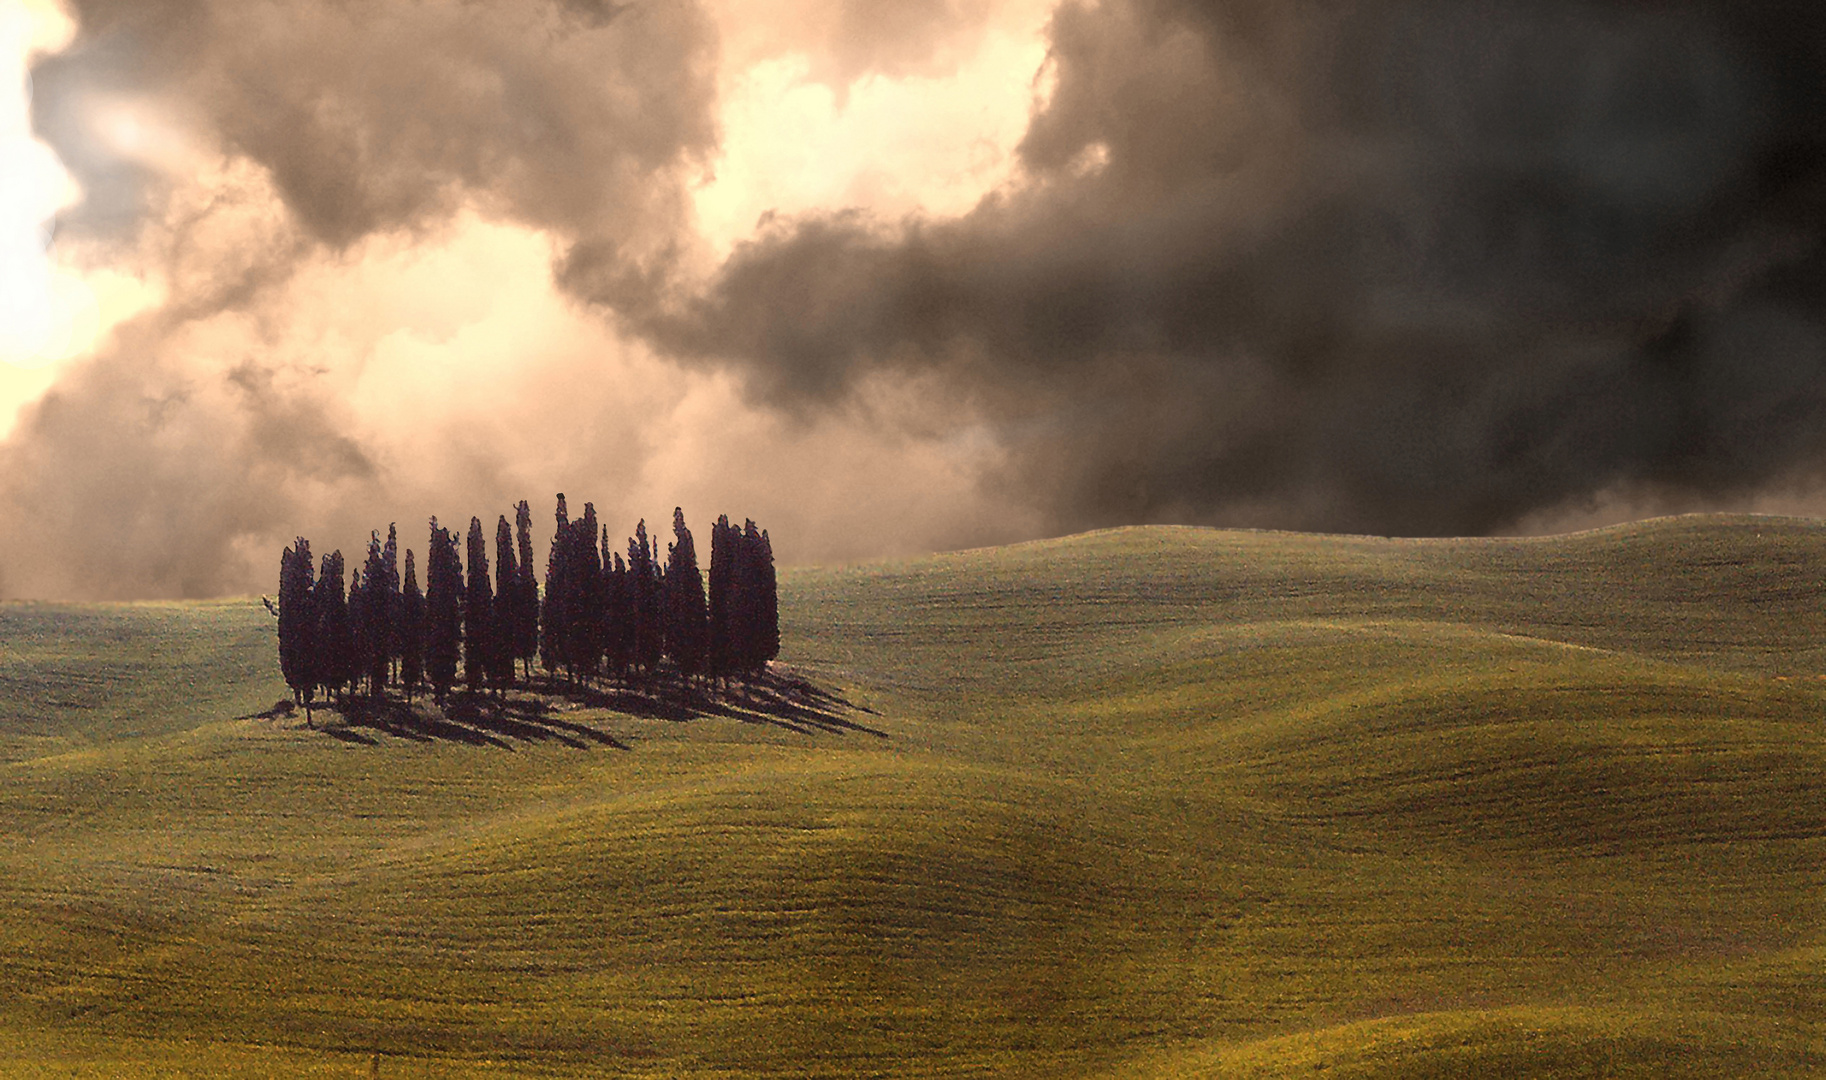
[(1152, 802)]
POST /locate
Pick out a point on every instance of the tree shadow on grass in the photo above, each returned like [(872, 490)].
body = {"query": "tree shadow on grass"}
[(777, 697), (348, 736), (282, 709), (529, 720), (405, 721), (529, 714)]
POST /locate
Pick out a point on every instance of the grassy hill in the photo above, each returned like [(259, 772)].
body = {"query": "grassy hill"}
[(1141, 803)]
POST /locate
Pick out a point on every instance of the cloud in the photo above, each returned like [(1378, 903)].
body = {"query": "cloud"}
[(376, 116), (421, 373), (1412, 267), (246, 163), (1408, 267), (844, 41)]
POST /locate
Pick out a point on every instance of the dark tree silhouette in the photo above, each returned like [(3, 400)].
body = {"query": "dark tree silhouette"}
[(687, 620), (507, 586), (724, 652), (554, 628), (751, 616), (443, 610), (379, 606), (583, 642), (599, 612), (478, 612), (526, 592), (298, 624), (618, 611), (644, 591), (766, 628), (396, 615), (335, 644), (412, 631), (361, 643), (743, 610)]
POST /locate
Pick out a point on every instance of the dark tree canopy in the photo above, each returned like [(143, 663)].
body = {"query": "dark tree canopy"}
[(443, 610), (686, 617), (298, 622), (617, 611), (412, 630), (390, 587), (335, 642), (507, 584), (766, 629), (584, 636), (478, 612), (361, 644), (526, 591), (379, 604), (724, 619), (555, 627), (644, 592), (636, 618)]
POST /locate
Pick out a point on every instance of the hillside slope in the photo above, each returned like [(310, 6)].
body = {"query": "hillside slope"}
[(1145, 802)]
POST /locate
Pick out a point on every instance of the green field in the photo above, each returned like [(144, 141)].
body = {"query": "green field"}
[(1157, 802)]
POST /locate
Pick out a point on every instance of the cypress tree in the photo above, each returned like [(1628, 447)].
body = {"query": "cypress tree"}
[(584, 565), (379, 601), (443, 610), (297, 624), (724, 540), (526, 592), (618, 611), (754, 607), (361, 644), (335, 647), (395, 600), (643, 587), (554, 621), (687, 619), (478, 612), (742, 614), (507, 587), (767, 606), (412, 630)]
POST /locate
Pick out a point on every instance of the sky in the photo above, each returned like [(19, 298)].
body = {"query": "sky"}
[(894, 276)]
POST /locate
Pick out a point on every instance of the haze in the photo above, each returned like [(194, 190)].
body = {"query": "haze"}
[(895, 276)]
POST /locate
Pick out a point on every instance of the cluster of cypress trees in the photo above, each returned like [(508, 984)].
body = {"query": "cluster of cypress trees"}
[(599, 615)]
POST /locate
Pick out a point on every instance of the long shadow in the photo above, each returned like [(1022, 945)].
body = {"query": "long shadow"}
[(783, 693), (529, 721), (779, 698), (526, 714), (404, 721), (537, 713), (345, 735), (281, 710)]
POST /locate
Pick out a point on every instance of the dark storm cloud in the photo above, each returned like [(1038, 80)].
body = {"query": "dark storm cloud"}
[(1395, 267)]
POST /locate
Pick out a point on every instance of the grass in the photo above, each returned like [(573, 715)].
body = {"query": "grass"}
[(1146, 802)]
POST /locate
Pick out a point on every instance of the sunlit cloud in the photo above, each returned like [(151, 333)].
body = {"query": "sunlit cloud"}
[(51, 310), (44, 315), (930, 143)]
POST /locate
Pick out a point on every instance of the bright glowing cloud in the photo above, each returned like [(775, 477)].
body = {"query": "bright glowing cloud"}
[(42, 313), (50, 311), (891, 144)]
